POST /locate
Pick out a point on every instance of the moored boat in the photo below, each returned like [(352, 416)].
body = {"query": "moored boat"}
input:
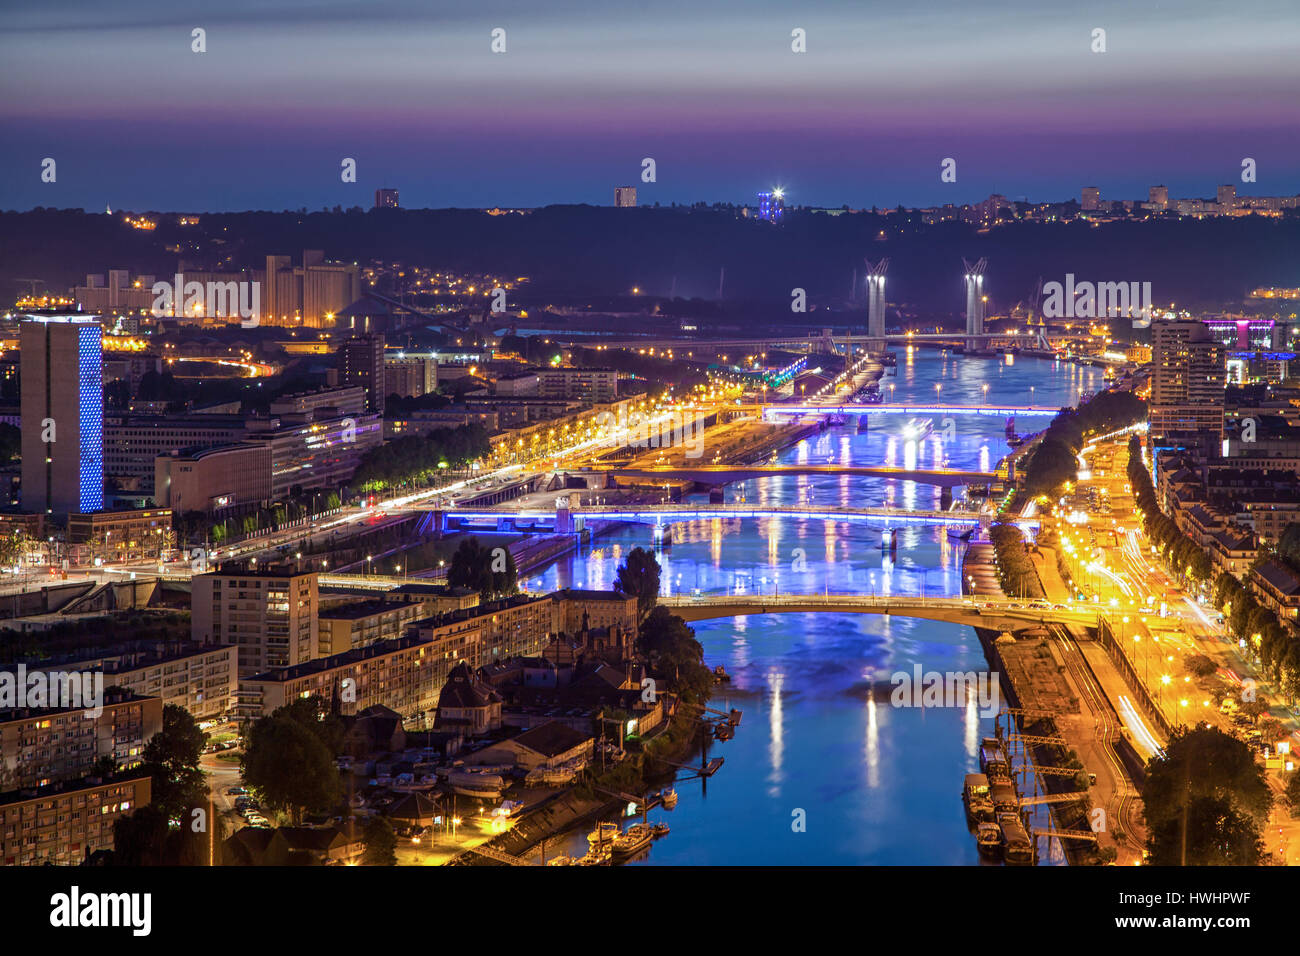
[(632, 842), (988, 839), (669, 798), (1017, 848), (977, 797)]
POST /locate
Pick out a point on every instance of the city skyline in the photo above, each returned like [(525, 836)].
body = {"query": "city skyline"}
[(864, 117)]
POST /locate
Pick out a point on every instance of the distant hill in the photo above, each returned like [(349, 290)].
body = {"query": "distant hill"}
[(577, 250)]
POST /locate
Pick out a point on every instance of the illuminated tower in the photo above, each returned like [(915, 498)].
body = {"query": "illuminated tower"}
[(975, 300), (876, 301), (771, 206), (62, 414)]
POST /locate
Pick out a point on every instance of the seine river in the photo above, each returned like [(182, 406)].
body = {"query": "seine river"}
[(821, 770)]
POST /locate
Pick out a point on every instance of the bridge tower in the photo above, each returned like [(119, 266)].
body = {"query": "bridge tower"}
[(975, 301), (876, 304)]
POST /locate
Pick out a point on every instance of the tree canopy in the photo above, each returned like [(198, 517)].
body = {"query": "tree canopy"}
[(638, 577)]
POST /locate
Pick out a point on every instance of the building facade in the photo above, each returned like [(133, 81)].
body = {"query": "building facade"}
[(269, 615), (62, 396)]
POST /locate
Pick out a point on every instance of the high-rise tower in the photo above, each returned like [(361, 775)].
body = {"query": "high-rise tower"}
[(62, 414)]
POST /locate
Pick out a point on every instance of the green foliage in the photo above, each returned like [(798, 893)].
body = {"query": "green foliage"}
[(1211, 833), (670, 646), (1054, 461), (381, 843), (1292, 794), (289, 758), (1198, 665), (1208, 786), (638, 577), (1185, 556), (415, 459), (489, 571), (172, 759), (1016, 572)]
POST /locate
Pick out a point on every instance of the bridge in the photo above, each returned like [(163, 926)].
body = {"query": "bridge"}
[(673, 512), (923, 408), (661, 513), (976, 611), (817, 340), (725, 474)]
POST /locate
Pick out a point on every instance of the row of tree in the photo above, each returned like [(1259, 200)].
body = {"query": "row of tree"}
[(414, 460), (1055, 460), (1278, 646), (1016, 571), (1184, 555)]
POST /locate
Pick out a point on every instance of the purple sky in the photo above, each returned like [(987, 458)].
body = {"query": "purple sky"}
[(713, 92)]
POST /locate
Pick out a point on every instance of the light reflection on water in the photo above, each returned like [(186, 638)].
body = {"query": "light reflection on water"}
[(877, 784)]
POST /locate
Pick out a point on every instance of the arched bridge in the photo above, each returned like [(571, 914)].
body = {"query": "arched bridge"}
[(991, 612), (725, 474)]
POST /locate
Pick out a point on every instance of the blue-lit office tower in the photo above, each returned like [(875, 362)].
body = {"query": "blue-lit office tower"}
[(62, 414), (771, 206)]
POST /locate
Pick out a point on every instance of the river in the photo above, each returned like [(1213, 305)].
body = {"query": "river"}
[(821, 770)]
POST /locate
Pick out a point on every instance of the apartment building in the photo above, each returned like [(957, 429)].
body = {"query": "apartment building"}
[(63, 822), (349, 626), (43, 745), (270, 615)]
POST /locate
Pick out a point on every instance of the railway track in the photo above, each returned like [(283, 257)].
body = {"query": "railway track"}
[(1108, 726)]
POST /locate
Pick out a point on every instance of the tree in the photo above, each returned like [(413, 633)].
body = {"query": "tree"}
[(638, 577), (1210, 833), (381, 843), (171, 758), (287, 762), (489, 571), (1204, 796), (1292, 794), (1198, 665), (670, 645)]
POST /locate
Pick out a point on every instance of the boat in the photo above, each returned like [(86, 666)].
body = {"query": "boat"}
[(668, 797), (1004, 796), (637, 837), (562, 860), (988, 839), (659, 830), (1017, 848), (720, 675), (604, 834), (961, 534), (917, 428), (978, 798), (993, 758), (469, 783)]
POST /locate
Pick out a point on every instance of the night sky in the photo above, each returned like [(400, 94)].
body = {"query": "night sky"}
[(710, 90)]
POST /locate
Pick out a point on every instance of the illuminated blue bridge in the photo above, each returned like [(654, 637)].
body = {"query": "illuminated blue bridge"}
[(561, 519), (928, 408)]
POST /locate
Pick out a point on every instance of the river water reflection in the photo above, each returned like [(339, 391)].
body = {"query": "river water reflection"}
[(873, 784)]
